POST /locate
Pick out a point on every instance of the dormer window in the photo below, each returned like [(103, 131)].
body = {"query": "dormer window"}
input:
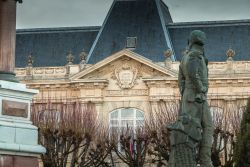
[(131, 42)]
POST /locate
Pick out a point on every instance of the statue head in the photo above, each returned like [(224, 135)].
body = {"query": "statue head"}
[(197, 37)]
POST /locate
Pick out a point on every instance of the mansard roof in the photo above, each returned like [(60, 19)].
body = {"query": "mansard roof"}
[(222, 35), (147, 20), (143, 19), (49, 46)]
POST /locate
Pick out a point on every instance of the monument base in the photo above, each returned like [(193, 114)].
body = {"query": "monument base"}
[(18, 161), (19, 138)]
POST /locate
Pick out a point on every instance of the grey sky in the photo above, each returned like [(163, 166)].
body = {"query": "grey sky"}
[(71, 13)]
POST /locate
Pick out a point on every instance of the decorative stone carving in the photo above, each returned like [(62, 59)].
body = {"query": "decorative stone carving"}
[(168, 53), (126, 76), (49, 71), (60, 70), (131, 92), (38, 70), (230, 54), (83, 58), (20, 71), (70, 58), (29, 67), (30, 61)]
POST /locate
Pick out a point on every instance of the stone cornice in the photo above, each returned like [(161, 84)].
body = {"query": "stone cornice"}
[(218, 82), (217, 96), (218, 70), (67, 85), (225, 82)]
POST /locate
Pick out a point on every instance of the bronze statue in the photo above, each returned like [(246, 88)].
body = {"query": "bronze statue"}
[(194, 126)]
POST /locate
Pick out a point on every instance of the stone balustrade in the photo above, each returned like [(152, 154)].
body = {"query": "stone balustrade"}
[(216, 70), (33, 73)]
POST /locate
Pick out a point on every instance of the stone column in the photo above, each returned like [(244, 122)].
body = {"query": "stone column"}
[(7, 39)]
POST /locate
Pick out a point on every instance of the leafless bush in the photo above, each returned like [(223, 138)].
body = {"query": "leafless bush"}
[(160, 117), (226, 120), (130, 145), (71, 134)]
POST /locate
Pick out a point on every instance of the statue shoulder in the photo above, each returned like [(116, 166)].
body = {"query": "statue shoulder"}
[(195, 54)]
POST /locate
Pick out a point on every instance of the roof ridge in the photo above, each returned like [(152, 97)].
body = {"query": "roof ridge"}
[(58, 29), (210, 23)]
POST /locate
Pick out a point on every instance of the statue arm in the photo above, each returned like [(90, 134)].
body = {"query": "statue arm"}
[(193, 72), (181, 81)]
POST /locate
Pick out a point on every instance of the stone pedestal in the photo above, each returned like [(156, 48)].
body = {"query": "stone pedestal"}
[(17, 161), (19, 138)]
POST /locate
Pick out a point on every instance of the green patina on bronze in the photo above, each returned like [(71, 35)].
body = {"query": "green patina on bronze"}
[(194, 126)]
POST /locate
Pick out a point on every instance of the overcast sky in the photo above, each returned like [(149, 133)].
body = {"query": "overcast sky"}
[(71, 13)]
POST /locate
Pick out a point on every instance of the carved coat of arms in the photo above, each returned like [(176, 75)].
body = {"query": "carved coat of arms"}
[(126, 76)]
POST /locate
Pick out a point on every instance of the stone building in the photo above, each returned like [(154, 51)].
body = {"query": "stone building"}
[(131, 62)]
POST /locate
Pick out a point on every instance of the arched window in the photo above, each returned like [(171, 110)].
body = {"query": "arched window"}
[(126, 118)]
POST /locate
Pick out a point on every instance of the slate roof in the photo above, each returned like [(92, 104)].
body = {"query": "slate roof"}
[(148, 20), (221, 35), (49, 46), (143, 19)]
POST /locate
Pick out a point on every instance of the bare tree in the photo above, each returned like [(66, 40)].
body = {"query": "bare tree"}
[(71, 134), (130, 145), (227, 124), (156, 125)]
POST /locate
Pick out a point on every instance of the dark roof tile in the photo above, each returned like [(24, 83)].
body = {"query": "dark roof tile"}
[(50, 46), (221, 36), (137, 18)]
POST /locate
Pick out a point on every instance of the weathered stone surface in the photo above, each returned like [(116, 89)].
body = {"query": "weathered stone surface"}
[(17, 109), (25, 161), (18, 161), (6, 161)]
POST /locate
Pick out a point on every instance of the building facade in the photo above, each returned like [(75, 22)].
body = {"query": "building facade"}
[(128, 80), (133, 60)]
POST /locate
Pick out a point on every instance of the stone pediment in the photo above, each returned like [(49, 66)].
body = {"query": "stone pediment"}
[(125, 67)]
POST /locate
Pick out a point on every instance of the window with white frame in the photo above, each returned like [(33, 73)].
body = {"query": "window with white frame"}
[(126, 118)]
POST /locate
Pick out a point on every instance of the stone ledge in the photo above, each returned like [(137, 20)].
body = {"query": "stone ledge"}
[(17, 125), (20, 134), (19, 87), (18, 161), (12, 119), (19, 149)]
